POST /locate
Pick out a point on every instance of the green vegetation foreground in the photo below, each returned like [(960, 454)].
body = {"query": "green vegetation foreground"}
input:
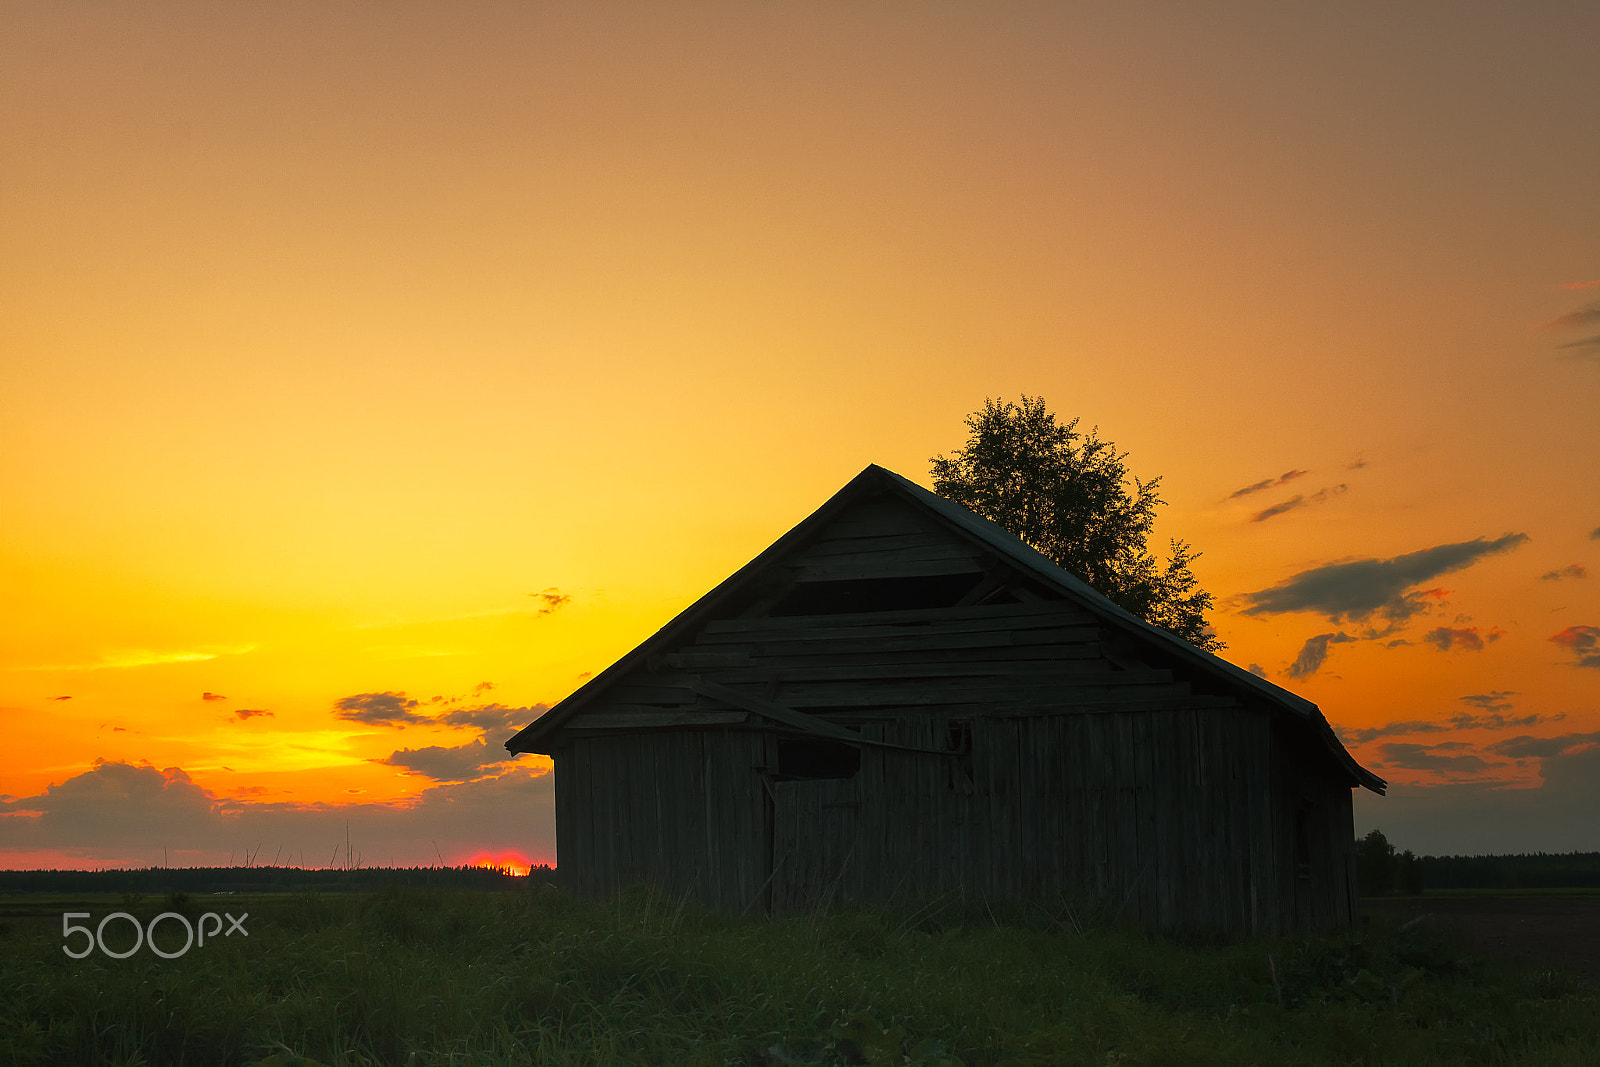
[(536, 977)]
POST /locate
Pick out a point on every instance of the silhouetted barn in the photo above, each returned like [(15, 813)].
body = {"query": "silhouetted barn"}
[(901, 697)]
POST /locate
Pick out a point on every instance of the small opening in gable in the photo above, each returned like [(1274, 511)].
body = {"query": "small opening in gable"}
[(817, 757), (876, 594)]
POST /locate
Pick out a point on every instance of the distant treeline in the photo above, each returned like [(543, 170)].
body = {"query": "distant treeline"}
[(1537, 870), (1381, 870), (264, 879)]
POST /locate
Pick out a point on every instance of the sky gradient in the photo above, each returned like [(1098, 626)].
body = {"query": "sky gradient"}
[(372, 374)]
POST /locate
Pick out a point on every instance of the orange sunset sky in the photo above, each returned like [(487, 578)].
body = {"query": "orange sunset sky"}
[(370, 374)]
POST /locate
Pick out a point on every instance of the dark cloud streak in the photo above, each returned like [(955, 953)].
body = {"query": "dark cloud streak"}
[(1358, 589)]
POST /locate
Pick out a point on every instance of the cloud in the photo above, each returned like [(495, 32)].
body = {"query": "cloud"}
[(1594, 534), (1446, 638), (460, 763), (1492, 706), (1525, 745), (492, 718), (1257, 670), (126, 814), (1357, 589), (246, 713), (1493, 700), (1268, 483), (1575, 570), (1584, 316), (1484, 817), (1429, 758), (1297, 501), (551, 599), (143, 658), (1583, 642), (212, 696), (1313, 653), (1586, 348), (379, 709), (61, 698), (1580, 285), (1279, 508)]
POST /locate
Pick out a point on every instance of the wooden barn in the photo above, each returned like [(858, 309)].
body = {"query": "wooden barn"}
[(899, 697)]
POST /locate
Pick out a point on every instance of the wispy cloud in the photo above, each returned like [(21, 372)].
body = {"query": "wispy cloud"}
[(250, 713), (67, 697), (1491, 719), (458, 763), (1298, 501), (551, 599), (1446, 638), (1314, 653), (379, 709), (1267, 483), (492, 717), (1585, 348), (1358, 589), (1580, 285), (1493, 700), (145, 658), (212, 696), (1575, 570), (1587, 315), (1279, 508), (1524, 746), (1416, 757), (1583, 642)]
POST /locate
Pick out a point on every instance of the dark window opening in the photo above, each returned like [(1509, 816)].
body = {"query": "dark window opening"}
[(958, 739), (1302, 841), (817, 757), (876, 594)]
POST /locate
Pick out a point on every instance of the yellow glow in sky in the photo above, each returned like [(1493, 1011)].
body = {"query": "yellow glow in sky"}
[(397, 350)]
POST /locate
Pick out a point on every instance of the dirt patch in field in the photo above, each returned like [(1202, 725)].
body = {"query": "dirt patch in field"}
[(1544, 931)]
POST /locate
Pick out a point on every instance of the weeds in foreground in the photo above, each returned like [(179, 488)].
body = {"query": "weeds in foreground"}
[(534, 977)]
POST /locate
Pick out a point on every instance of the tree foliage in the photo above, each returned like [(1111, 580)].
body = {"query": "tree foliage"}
[(1068, 495)]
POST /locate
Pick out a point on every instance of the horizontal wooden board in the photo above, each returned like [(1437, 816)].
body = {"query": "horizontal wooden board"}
[(643, 718), (1064, 689), (858, 568), (918, 542), (994, 654), (818, 642), (997, 613), (877, 519)]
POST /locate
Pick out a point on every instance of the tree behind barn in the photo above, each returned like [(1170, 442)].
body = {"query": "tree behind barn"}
[(1066, 494)]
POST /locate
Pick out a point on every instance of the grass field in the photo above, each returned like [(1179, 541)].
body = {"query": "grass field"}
[(532, 976)]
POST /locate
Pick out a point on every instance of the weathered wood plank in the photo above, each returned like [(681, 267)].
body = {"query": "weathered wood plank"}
[(851, 568), (902, 542), (645, 718), (931, 616), (995, 654), (890, 639)]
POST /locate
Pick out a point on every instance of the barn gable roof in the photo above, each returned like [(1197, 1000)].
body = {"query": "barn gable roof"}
[(1007, 547)]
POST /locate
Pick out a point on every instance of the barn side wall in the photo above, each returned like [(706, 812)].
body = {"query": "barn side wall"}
[(1312, 836), (682, 810), (1206, 817), (1150, 811)]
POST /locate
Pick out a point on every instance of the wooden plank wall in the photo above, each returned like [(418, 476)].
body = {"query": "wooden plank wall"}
[(1311, 835), (1148, 809), (1107, 778), (683, 811)]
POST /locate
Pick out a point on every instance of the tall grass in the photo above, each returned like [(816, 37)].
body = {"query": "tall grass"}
[(425, 977)]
